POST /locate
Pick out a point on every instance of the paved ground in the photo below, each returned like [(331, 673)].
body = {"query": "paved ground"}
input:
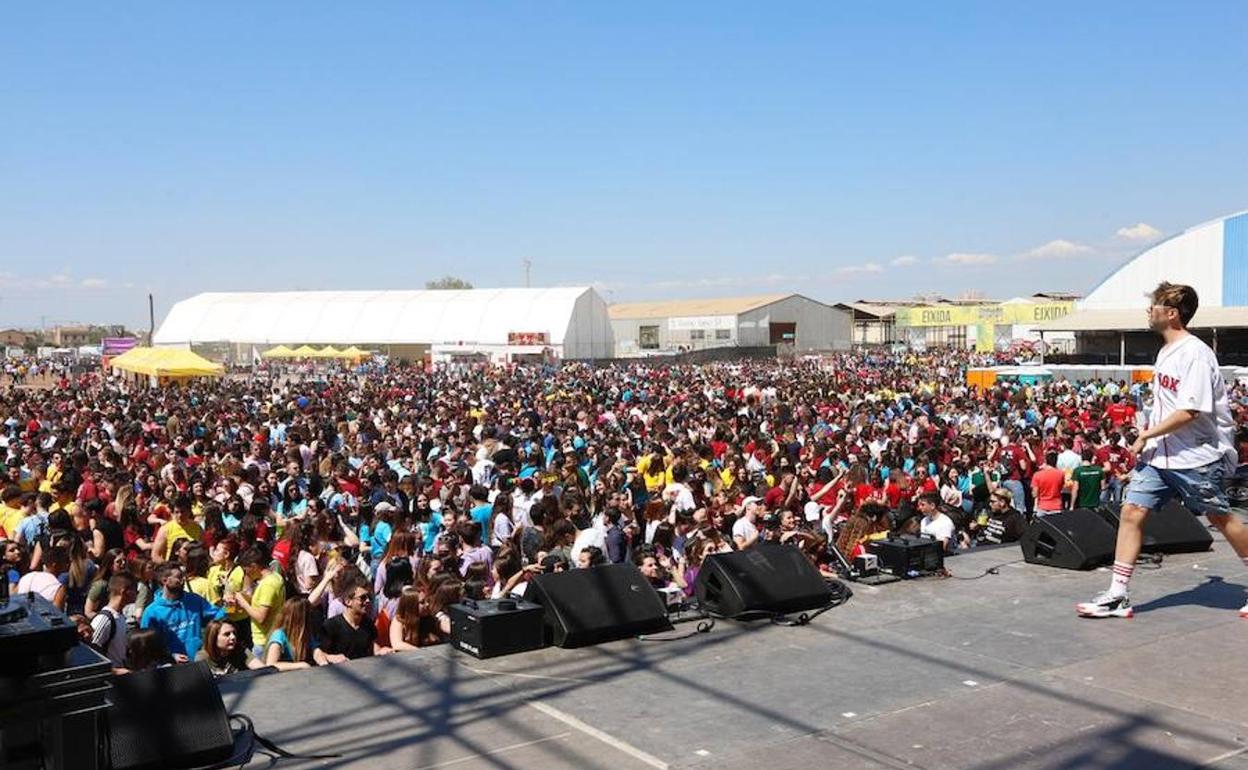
[(989, 674)]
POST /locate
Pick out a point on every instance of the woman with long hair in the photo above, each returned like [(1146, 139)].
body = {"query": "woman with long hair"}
[(410, 627), (387, 586), (112, 563), (78, 577), (197, 564), (292, 643), (145, 649), (135, 532), (502, 524), (214, 524), (222, 650), (448, 592)]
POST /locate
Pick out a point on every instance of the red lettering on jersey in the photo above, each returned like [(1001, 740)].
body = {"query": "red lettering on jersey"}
[(1169, 382)]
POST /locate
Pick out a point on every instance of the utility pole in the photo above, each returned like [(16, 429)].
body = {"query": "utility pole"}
[(528, 265), (151, 319)]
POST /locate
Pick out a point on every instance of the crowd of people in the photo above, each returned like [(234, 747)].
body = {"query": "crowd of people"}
[(265, 521)]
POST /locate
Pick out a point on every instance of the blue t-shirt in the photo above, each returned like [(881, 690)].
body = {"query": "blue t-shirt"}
[(379, 538), (279, 638), (433, 528), (481, 515)]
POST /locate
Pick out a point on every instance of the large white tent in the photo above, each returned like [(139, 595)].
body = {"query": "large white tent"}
[(570, 321)]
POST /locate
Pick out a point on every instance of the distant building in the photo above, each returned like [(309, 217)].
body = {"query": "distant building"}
[(1212, 257), (16, 338), (982, 324), (873, 323), (71, 336), (643, 328)]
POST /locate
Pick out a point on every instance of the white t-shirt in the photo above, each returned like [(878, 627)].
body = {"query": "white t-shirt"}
[(101, 629), (1186, 376), (681, 494), (940, 526), (592, 535), (744, 529), (41, 583)]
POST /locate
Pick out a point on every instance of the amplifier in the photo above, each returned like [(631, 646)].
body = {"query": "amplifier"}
[(487, 629), (906, 555), (31, 626)]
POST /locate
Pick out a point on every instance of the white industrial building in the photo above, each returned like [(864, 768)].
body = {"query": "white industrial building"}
[(647, 328), (1211, 257), (499, 325)]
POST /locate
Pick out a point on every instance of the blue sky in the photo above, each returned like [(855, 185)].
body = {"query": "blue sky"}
[(651, 149)]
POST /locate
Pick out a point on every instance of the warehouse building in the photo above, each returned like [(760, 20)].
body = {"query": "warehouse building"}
[(648, 328), (1109, 324)]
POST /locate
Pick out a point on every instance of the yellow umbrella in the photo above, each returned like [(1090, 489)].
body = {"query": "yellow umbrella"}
[(304, 351), (281, 351)]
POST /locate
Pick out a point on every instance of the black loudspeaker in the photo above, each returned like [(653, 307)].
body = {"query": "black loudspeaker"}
[(167, 718), (765, 578), (1173, 529), (1078, 539), (485, 629), (906, 555), (599, 604)]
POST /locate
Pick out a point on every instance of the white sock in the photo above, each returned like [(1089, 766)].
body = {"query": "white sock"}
[(1122, 577)]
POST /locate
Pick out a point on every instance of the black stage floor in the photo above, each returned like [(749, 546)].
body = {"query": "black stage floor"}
[(989, 674)]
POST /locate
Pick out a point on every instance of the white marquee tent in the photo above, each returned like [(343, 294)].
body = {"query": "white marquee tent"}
[(572, 321)]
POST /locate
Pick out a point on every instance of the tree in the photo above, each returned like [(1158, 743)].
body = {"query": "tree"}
[(448, 282)]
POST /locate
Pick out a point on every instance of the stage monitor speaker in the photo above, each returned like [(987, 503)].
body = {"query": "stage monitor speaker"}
[(487, 628), (1173, 529), (1078, 539), (599, 604), (167, 718), (766, 578)]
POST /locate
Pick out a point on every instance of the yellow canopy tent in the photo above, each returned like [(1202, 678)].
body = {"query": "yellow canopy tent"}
[(356, 353), (329, 351), (281, 351), (174, 363), (304, 351)]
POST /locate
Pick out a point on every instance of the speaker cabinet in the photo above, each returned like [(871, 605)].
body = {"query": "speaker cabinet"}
[(599, 604), (765, 578), (1173, 529), (167, 718), (1078, 539)]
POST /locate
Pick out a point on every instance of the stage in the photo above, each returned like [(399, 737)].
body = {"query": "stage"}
[(989, 674)]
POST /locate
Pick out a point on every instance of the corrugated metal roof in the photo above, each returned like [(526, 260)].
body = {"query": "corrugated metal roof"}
[(693, 307), (1134, 319)]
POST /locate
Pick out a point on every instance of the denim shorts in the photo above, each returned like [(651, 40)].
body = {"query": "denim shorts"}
[(1202, 490)]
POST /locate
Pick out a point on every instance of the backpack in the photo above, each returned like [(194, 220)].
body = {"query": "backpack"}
[(398, 575), (102, 647)]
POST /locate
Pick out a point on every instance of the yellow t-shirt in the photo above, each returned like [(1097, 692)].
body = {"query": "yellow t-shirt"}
[(234, 580), (176, 530), (198, 586), (9, 519), (270, 592)]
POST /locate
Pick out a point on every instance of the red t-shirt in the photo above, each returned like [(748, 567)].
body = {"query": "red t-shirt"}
[(1048, 483)]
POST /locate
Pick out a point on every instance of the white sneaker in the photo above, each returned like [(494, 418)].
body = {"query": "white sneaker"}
[(1107, 605), (1243, 611)]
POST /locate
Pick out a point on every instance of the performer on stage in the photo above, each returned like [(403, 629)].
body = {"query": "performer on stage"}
[(1188, 448)]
